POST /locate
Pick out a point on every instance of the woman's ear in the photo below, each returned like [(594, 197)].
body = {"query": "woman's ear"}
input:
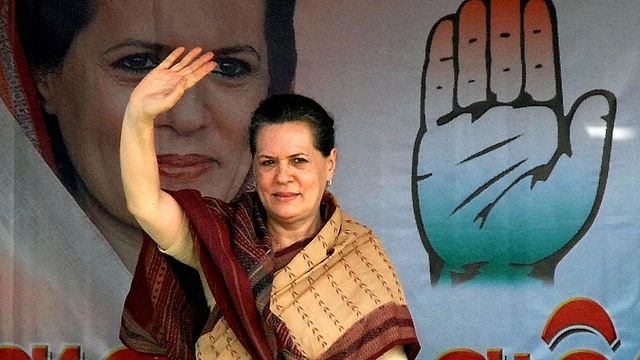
[(332, 159), (44, 80)]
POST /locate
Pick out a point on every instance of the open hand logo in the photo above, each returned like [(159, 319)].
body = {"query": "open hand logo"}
[(504, 181)]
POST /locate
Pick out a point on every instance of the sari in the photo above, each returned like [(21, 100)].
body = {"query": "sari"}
[(338, 297)]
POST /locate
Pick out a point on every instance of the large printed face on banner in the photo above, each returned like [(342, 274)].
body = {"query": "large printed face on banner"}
[(72, 281), (505, 179), (202, 141)]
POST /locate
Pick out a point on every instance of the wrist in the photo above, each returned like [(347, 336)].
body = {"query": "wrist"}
[(137, 114)]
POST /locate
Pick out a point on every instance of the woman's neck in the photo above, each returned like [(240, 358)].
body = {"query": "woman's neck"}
[(284, 234), (125, 239)]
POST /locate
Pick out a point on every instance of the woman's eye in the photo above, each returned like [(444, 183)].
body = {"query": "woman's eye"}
[(267, 163), (299, 160), (137, 63), (232, 68)]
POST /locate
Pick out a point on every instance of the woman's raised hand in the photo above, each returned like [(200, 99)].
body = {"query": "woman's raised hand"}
[(156, 211), (163, 86)]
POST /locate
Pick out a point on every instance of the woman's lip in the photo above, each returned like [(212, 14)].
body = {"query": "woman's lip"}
[(185, 167), (285, 195)]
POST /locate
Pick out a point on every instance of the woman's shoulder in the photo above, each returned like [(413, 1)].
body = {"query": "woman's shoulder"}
[(344, 222), (193, 201), (245, 197), (351, 224)]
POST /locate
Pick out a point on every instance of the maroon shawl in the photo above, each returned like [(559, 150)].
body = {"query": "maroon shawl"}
[(159, 311)]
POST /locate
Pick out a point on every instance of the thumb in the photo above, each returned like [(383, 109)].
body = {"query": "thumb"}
[(591, 121), (587, 141)]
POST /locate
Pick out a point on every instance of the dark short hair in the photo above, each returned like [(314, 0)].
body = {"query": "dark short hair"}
[(285, 108), (48, 27)]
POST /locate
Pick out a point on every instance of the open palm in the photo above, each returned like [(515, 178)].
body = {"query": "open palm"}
[(161, 89), (504, 181)]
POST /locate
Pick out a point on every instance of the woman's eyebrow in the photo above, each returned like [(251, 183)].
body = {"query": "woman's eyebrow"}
[(292, 156), (224, 51), (136, 43), (232, 50)]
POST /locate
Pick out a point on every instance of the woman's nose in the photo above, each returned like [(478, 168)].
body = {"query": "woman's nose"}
[(189, 115), (283, 173)]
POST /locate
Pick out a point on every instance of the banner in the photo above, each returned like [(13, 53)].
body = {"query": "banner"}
[(491, 144)]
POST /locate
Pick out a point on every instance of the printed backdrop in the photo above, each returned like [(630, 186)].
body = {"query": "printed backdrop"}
[(493, 146)]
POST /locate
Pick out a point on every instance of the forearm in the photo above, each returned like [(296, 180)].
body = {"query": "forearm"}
[(138, 162), (156, 211)]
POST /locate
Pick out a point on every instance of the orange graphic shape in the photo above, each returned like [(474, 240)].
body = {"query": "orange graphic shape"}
[(579, 314)]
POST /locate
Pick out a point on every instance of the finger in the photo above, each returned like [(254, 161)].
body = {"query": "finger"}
[(169, 60), (198, 69), (200, 61), (505, 49), (439, 73), (584, 173), (540, 35), (187, 59), (200, 72), (472, 60), (592, 118)]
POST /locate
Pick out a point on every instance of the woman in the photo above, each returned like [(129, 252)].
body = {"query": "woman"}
[(289, 274), (69, 89)]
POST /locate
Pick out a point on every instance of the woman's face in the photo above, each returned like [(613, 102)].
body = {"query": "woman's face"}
[(201, 142), (291, 174)]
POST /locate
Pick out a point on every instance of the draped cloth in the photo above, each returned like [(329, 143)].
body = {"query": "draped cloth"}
[(17, 87), (165, 310), (340, 291), (19, 94)]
